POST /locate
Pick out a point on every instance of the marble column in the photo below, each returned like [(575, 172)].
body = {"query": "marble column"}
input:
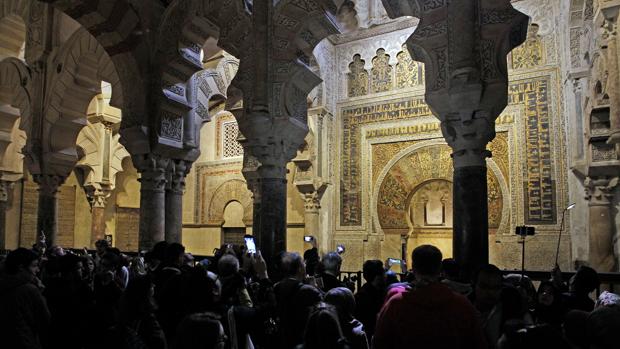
[(312, 207), (152, 170), (468, 139), (273, 121), (470, 215), (5, 187), (47, 212), (97, 199), (177, 170), (269, 224), (599, 193)]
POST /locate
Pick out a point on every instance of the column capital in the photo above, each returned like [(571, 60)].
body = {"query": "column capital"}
[(5, 188), (152, 168), (176, 172), (312, 200), (48, 184), (269, 143), (97, 195), (599, 191), (466, 82), (468, 139)]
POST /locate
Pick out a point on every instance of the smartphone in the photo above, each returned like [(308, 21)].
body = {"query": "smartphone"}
[(340, 249), (308, 238), (249, 243), (395, 265)]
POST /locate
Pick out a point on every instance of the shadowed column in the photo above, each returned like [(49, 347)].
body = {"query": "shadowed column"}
[(463, 44)]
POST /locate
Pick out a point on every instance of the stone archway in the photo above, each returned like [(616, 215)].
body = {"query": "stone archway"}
[(232, 190), (415, 169)]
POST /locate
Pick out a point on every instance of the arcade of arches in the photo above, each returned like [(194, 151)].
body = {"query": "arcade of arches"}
[(140, 121)]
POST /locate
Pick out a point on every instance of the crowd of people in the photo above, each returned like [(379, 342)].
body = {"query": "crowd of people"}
[(52, 298)]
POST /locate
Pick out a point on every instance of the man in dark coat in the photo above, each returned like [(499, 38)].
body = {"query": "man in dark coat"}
[(24, 316), (429, 314), (370, 297)]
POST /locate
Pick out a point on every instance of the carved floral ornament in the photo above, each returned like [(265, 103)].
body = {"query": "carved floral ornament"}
[(383, 77)]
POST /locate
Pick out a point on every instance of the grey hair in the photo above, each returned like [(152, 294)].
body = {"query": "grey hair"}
[(331, 262)]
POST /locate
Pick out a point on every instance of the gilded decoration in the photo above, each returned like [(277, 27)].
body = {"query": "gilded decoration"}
[(358, 77), (539, 182), (530, 54), (411, 172), (409, 73), (381, 72), (531, 94)]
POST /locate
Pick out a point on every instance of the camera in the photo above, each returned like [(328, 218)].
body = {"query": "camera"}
[(308, 238), (525, 230)]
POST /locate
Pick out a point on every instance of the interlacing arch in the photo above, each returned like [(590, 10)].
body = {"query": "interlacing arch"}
[(116, 26), (15, 104), (79, 69), (186, 26), (13, 19)]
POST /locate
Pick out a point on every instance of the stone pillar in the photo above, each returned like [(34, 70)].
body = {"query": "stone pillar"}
[(273, 121), (464, 44), (608, 22), (468, 139), (267, 181), (599, 193), (312, 207), (177, 170), (5, 187), (269, 225), (97, 198), (47, 212), (152, 170)]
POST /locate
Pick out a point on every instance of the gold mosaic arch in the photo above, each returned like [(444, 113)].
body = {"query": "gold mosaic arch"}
[(418, 166), (232, 190)]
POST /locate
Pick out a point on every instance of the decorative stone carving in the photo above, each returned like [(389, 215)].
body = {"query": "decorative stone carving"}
[(152, 170), (5, 188), (599, 191), (382, 79), (358, 78), (409, 73), (176, 173), (530, 54), (48, 184)]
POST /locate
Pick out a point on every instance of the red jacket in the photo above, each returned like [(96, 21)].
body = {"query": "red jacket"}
[(431, 316)]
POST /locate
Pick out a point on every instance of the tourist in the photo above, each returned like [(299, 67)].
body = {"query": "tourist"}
[(331, 264), (548, 309), (429, 315), (24, 316), (487, 300), (344, 302), (603, 328), (201, 331), (370, 296), (584, 282), (136, 321), (70, 300), (575, 329), (286, 291), (107, 290), (311, 257), (323, 330), (450, 274)]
